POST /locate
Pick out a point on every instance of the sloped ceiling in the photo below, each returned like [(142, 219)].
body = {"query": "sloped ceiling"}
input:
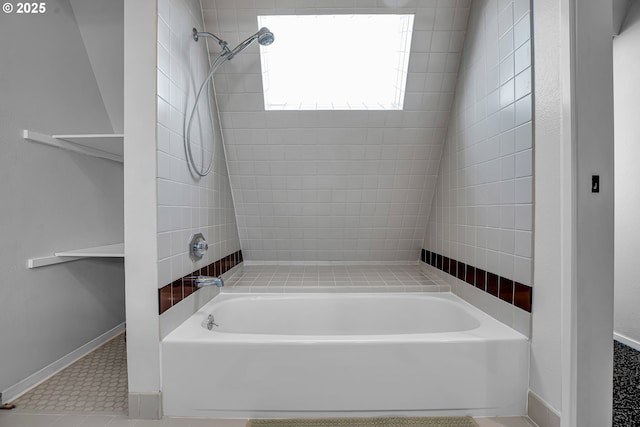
[(336, 185), (620, 10), (101, 23)]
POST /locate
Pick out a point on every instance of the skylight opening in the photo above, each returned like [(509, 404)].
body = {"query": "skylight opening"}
[(336, 62)]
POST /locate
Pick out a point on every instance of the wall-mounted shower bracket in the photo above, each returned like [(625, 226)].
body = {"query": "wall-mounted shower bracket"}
[(223, 44)]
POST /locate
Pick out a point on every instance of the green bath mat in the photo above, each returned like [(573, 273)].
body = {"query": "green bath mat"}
[(368, 422)]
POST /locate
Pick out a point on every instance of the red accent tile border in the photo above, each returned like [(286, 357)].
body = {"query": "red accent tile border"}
[(171, 294), (501, 287)]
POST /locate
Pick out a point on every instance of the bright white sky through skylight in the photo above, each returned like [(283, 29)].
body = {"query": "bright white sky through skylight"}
[(336, 62)]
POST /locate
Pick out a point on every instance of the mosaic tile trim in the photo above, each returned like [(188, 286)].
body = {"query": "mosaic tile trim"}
[(500, 287), (171, 294)]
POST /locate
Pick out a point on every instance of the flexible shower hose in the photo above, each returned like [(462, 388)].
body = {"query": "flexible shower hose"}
[(187, 125)]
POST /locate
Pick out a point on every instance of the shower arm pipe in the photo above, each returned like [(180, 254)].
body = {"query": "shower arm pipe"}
[(223, 44), (263, 36)]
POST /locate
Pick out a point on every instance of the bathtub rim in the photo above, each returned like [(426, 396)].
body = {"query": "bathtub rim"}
[(489, 329)]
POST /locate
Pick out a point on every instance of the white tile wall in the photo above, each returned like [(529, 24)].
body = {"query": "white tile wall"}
[(482, 211), (336, 185), (186, 205)]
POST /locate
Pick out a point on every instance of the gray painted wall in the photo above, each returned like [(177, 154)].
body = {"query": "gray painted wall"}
[(626, 66), (53, 199), (102, 27)]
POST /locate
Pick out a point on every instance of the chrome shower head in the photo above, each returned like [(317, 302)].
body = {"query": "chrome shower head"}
[(264, 37)]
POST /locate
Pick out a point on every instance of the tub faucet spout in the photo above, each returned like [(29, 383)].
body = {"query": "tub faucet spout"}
[(208, 281)]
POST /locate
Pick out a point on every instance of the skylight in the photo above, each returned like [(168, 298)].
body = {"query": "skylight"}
[(336, 62)]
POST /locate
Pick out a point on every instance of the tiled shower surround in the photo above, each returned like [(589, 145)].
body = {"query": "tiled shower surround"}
[(176, 291), (187, 205), (482, 211), (350, 186), (501, 287), (359, 186)]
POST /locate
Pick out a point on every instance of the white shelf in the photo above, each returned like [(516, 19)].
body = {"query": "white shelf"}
[(105, 146), (108, 251)]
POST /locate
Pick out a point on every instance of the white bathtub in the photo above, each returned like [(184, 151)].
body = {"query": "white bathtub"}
[(313, 355)]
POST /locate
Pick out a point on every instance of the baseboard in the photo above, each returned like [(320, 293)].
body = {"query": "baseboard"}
[(12, 393), (541, 413), (145, 406), (627, 341)]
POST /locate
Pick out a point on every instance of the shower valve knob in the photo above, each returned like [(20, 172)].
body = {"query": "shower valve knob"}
[(198, 246), (201, 247)]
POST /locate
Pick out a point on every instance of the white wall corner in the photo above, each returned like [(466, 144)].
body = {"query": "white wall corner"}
[(140, 197), (553, 170), (593, 143)]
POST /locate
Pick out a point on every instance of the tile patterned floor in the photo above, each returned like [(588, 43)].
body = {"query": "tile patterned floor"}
[(505, 422), (20, 419), (95, 383), (390, 278), (93, 420)]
